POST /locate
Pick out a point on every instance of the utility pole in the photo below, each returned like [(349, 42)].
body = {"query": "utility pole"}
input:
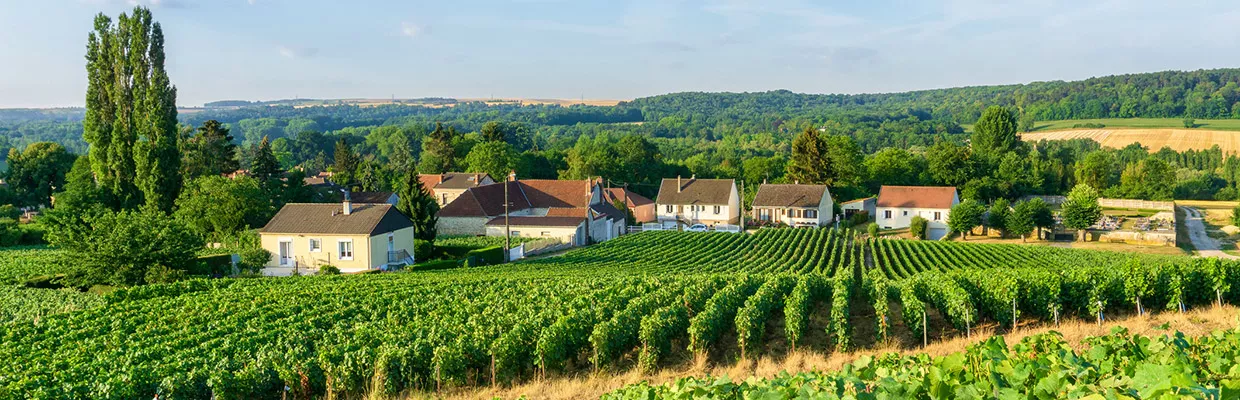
[(507, 231), (742, 205)]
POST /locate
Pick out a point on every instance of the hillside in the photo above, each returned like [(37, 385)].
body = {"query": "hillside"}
[(901, 119)]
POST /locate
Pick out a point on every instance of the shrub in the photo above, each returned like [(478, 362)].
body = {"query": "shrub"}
[(872, 230), (1089, 125), (1190, 123), (917, 227), (434, 265), (214, 265), (423, 250), (329, 270), (119, 248), (485, 256), (253, 259), (8, 211), (859, 218)]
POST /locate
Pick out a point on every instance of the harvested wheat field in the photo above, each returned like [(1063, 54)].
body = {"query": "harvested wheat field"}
[(1154, 139)]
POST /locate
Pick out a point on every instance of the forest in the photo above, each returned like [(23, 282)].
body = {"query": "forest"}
[(875, 139)]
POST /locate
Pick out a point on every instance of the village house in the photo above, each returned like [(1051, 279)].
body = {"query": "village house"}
[(897, 205), (710, 202), (449, 185), (571, 211), (794, 205), (868, 205), (374, 198), (352, 237), (641, 206)]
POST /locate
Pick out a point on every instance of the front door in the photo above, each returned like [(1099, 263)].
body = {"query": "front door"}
[(391, 243), (286, 253)]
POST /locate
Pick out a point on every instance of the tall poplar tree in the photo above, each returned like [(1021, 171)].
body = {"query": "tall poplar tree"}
[(131, 115)]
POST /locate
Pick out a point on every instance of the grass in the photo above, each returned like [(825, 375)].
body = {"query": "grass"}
[(1178, 123), (592, 385)]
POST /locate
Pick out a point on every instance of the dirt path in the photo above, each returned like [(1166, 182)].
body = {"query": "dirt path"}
[(1205, 245)]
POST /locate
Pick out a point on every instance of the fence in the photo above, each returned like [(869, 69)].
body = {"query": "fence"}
[(1137, 204), (543, 246)]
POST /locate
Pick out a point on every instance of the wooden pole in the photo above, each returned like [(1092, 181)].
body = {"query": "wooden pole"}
[(925, 336)]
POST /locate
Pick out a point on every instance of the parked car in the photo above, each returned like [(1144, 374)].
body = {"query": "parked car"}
[(696, 228)]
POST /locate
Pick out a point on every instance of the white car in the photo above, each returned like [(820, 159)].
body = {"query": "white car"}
[(696, 228)]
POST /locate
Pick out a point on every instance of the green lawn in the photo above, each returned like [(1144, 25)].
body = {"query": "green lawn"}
[(1209, 124)]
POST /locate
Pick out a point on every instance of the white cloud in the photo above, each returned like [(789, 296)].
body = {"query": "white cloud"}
[(411, 29), (292, 52)]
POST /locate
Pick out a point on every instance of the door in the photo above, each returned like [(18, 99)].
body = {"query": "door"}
[(391, 243), (286, 253)]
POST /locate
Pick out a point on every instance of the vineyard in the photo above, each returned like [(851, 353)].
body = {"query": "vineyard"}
[(1117, 366), (640, 301)]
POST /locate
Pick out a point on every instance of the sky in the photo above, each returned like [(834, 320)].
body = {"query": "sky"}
[(613, 49)]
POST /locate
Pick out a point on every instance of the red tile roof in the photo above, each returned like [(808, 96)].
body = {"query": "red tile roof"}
[(488, 200), (635, 200), (916, 196)]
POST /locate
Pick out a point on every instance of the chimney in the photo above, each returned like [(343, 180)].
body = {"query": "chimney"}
[(348, 204), (679, 186)]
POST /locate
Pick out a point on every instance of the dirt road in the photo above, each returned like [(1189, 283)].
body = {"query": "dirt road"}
[(1205, 245)]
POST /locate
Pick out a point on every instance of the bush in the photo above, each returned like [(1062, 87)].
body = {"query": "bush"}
[(8, 211), (872, 230), (423, 250), (162, 274), (329, 270), (434, 265), (917, 227), (1090, 125), (1190, 123), (859, 218), (253, 259), (120, 248), (485, 256), (214, 265)]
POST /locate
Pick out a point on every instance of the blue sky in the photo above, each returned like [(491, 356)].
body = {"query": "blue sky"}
[(272, 49)]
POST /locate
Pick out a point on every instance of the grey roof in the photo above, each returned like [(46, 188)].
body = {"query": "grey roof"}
[(695, 191), (771, 195), (329, 218), (370, 197)]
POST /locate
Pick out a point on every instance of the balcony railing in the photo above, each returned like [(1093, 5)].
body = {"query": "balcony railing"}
[(398, 257)]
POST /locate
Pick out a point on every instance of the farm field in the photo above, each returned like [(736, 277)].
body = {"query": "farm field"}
[(1154, 139), (1148, 123), (641, 302)]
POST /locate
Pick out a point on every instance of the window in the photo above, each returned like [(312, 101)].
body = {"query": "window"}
[(887, 214), (546, 233), (811, 214), (669, 209), (316, 245), (906, 213), (515, 233), (938, 215), (717, 208), (346, 249)]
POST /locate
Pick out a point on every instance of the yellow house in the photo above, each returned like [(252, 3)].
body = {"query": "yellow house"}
[(352, 237)]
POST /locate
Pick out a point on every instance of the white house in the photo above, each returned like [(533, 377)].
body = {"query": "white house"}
[(698, 201), (868, 205), (897, 205), (574, 211), (794, 205)]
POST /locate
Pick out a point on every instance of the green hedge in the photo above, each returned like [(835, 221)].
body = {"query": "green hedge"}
[(485, 256), (214, 265), (434, 265)]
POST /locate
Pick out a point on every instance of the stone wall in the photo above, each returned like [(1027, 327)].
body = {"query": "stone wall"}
[(461, 226)]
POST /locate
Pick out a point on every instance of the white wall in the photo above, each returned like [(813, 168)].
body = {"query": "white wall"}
[(903, 217), (728, 213), (567, 234)]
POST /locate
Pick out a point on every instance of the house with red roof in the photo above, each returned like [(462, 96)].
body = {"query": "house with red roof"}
[(574, 211), (449, 185), (897, 205)]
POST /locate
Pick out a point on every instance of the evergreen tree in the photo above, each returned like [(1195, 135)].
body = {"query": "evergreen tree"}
[(416, 202), (438, 154), (210, 152), (131, 115), (264, 166), (810, 162), (344, 169)]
